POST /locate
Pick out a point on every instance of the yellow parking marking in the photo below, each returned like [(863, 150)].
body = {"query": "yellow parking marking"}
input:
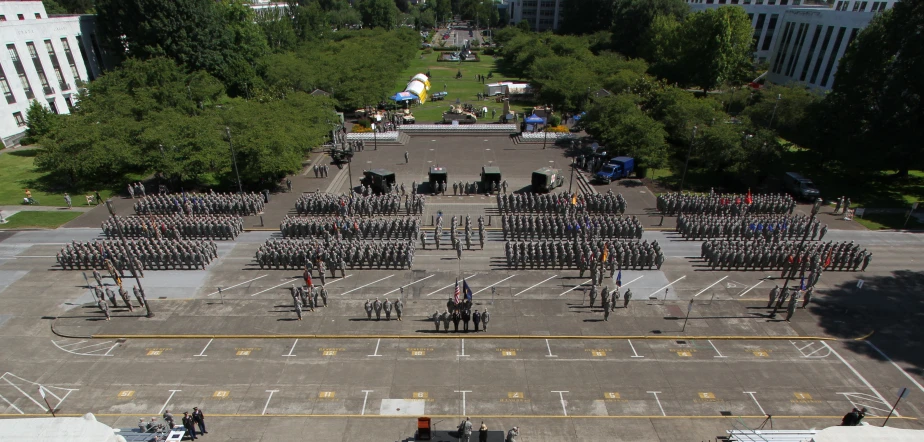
[(329, 353), (611, 395), (126, 393), (761, 354), (515, 395), (420, 395), (327, 395), (598, 353), (155, 352), (509, 353), (684, 353), (221, 394), (802, 396), (706, 395), (243, 352)]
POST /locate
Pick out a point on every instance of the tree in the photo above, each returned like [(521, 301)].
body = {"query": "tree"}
[(443, 10), (277, 27), (632, 19), (717, 46), (790, 107), (624, 129), (40, 121), (523, 25), (680, 110), (427, 19), (378, 13), (587, 17), (876, 98), (309, 21)]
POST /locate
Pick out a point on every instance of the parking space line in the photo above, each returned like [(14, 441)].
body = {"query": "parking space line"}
[(752, 287), (864, 397), (635, 353), (338, 280), (630, 282), (710, 286), (24, 394), (857, 373), (716, 349), (572, 288), (237, 285), (450, 285), (367, 285), (202, 353), (916, 384), (655, 393), (376, 353), (463, 399), (268, 400), (463, 349), (550, 355), (403, 286), (365, 398), (291, 349), (536, 285), (492, 285), (288, 281), (561, 395), (172, 392), (751, 393), (11, 404), (653, 294)]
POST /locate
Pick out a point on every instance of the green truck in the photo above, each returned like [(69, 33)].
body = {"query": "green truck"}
[(546, 179), (380, 180), (437, 174), (489, 177)]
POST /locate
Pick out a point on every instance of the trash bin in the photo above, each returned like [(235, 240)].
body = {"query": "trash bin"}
[(423, 428)]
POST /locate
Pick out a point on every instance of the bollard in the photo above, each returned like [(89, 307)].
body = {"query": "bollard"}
[(262, 224), (431, 221), (489, 220)]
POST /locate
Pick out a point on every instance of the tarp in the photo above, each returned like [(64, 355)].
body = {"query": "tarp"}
[(419, 89), (535, 119), (57, 429), (579, 116), (403, 96), (423, 79)]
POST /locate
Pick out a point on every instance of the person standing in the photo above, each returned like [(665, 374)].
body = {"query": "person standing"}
[(626, 298), (483, 433), (485, 317), (791, 307), (387, 307), (808, 297), (189, 425), (466, 429), (131, 191), (377, 306), (407, 158), (476, 318), (399, 308), (606, 309), (99, 199), (445, 317), (455, 321), (168, 418), (67, 200), (436, 320), (104, 307), (466, 317), (199, 419), (368, 308), (298, 309), (512, 434)]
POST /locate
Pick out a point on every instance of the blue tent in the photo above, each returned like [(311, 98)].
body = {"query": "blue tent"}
[(535, 119), (403, 96), (579, 116)]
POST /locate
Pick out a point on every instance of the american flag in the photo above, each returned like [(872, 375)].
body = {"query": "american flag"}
[(455, 295)]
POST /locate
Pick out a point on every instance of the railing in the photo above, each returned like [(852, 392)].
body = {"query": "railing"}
[(369, 136), (505, 128), (551, 136)]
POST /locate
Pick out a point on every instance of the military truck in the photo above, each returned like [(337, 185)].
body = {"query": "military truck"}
[(437, 175), (380, 180), (490, 176), (546, 179), (340, 155), (407, 117), (457, 113)]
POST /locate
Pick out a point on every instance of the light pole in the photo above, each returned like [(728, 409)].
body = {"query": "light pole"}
[(772, 116), (240, 188), (375, 139), (816, 207), (683, 177), (572, 175), (131, 258)]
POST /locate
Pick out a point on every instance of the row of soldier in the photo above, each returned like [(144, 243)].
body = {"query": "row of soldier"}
[(201, 204), (101, 296), (321, 171), (769, 227), (761, 254), (350, 227), (357, 146), (163, 254), (387, 306), (562, 203), (455, 242), (574, 226), (358, 205), (460, 311), (727, 204), (212, 227), (582, 254), (307, 298), (337, 255), (475, 187), (608, 299)]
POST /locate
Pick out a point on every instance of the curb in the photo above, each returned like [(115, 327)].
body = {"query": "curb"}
[(454, 416), (455, 336)]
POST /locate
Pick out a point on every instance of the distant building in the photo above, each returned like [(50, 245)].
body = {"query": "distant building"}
[(46, 59), (542, 15)]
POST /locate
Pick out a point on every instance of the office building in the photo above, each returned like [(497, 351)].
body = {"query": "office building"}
[(542, 15)]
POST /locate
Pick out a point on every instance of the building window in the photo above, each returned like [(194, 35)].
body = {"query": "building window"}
[(875, 6), (759, 27), (863, 6), (784, 48), (20, 16), (808, 58), (821, 54), (794, 58), (2, 18), (882, 6), (20, 70), (771, 27), (38, 15), (70, 58), (53, 106), (784, 2), (20, 121), (5, 85), (833, 58), (70, 102), (856, 6)]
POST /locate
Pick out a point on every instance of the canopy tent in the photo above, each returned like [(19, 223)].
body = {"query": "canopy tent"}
[(579, 116), (57, 429), (419, 89), (403, 96), (535, 119), (423, 79)]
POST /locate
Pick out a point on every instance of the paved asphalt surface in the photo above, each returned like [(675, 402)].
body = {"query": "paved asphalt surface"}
[(548, 363)]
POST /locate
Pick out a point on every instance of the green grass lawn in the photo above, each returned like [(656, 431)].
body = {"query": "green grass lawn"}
[(880, 221), (465, 89), (17, 173), (44, 219)]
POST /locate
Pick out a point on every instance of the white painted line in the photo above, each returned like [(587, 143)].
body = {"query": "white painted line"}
[(752, 287), (572, 288), (11, 404), (630, 282), (463, 349), (813, 352), (238, 285), (367, 285), (536, 285), (338, 280), (868, 385), (716, 350), (288, 281), (668, 285), (710, 286), (864, 397), (42, 406), (376, 353), (91, 346), (913, 380), (403, 286), (172, 392), (492, 285), (561, 395), (463, 399), (291, 349), (655, 393), (268, 400), (34, 256), (202, 353), (550, 355), (751, 393), (450, 285), (68, 345), (362, 413), (635, 353)]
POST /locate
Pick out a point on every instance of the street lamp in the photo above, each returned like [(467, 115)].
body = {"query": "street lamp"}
[(572, 175), (687, 163), (131, 260), (240, 188), (772, 116), (816, 207)]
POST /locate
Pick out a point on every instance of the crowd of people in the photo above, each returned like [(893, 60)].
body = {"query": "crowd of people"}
[(201, 204), (584, 254), (745, 227), (725, 204), (161, 254), (335, 254), (562, 203), (573, 226), (350, 227), (177, 226), (783, 255), (359, 205), (460, 312)]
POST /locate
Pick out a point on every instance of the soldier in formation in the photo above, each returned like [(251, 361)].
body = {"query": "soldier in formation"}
[(359, 205), (201, 204), (335, 254), (357, 146), (350, 227), (321, 171), (176, 226), (562, 203), (461, 188), (158, 254), (572, 227), (768, 227), (725, 204), (783, 255), (596, 255)]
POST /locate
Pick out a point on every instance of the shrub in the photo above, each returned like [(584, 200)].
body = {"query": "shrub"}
[(364, 122), (554, 120)]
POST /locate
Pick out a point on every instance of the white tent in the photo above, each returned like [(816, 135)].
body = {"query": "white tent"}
[(416, 88), (57, 429), (868, 433), (423, 79)]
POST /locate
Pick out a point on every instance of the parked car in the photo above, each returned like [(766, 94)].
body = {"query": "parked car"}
[(800, 186)]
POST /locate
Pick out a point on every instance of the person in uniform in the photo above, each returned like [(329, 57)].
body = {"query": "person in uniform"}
[(298, 309), (476, 318), (387, 307), (456, 317), (445, 317), (199, 419), (512, 434), (606, 309), (436, 320), (168, 418), (466, 317), (791, 307), (368, 308), (189, 425), (485, 317), (626, 298), (104, 307), (773, 295), (377, 305)]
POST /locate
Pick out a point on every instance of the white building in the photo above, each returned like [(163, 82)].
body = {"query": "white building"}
[(542, 15), (46, 58)]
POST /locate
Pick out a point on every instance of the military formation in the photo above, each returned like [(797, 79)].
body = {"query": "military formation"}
[(378, 307), (201, 204), (584, 254), (335, 254), (585, 226), (725, 204), (156, 254), (349, 227), (784, 255), (106, 295), (359, 205), (455, 241), (562, 203), (308, 297), (460, 313), (211, 227), (608, 299), (461, 188), (767, 227)]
